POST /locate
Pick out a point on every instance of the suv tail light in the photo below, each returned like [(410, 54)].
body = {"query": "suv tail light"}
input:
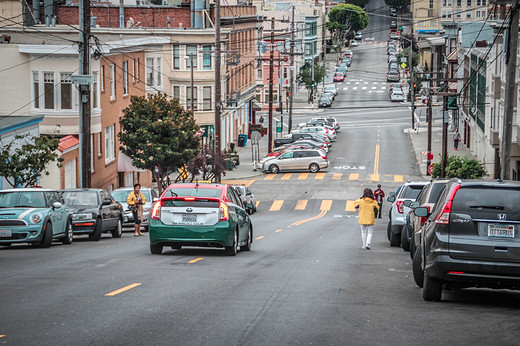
[(223, 211), (400, 206), (324, 157), (444, 216), (156, 211)]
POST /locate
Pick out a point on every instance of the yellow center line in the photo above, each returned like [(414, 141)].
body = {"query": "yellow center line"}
[(376, 161), (270, 176), (303, 176), (261, 237), (350, 206), (276, 206), (257, 203), (196, 260), (319, 176), (1, 336), (121, 290), (287, 176), (353, 176), (278, 230), (320, 215), (337, 176), (301, 204), (398, 178)]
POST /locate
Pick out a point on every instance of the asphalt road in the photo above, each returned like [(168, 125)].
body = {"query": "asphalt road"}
[(306, 280)]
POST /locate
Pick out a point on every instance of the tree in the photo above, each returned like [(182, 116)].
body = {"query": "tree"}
[(344, 20), (158, 135), (25, 159), (460, 167), (359, 3), (397, 3), (206, 164), (305, 76), (406, 53)]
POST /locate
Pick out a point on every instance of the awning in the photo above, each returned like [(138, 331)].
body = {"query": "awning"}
[(67, 142), (257, 106), (124, 164)]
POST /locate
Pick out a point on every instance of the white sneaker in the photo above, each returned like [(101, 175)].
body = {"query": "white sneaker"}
[(367, 247), (363, 247)]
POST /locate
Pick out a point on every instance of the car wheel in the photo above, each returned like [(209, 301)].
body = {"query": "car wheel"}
[(313, 168), (156, 249), (417, 270), (96, 235), (274, 169), (412, 246), (118, 231), (67, 239), (389, 230), (247, 247), (432, 289), (47, 236), (405, 243), (233, 249), (395, 239)]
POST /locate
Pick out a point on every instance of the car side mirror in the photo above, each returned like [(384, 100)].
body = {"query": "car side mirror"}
[(57, 205), (407, 203), (421, 212), (391, 199), (415, 204), (106, 202)]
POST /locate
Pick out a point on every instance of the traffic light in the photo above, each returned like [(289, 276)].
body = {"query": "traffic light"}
[(425, 101)]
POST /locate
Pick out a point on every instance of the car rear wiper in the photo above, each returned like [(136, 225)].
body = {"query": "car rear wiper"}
[(497, 207)]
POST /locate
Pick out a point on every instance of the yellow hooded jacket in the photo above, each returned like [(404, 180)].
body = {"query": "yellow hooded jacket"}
[(132, 198), (366, 210)]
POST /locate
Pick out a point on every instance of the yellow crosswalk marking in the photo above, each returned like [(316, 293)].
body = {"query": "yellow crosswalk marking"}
[(270, 176), (257, 203), (326, 204), (276, 206), (303, 176), (261, 237), (319, 176), (353, 176), (278, 230), (337, 176), (301, 205), (398, 178), (350, 206), (374, 177), (287, 176)]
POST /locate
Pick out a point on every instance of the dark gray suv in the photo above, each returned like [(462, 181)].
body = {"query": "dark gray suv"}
[(471, 238)]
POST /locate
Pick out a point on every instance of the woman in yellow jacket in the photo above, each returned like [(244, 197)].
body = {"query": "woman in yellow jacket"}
[(135, 203), (366, 206)]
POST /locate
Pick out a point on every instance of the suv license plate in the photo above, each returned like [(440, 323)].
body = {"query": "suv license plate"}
[(189, 218), (5, 233), (501, 231)]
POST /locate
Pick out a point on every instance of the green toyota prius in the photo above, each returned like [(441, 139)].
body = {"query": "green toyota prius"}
[(202, 215)]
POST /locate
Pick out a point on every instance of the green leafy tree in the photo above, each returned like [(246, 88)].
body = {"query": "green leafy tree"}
[(460, 167), (158, 135), (344, 21), (406, 53), (305, 76), (359, 3), (25, 159), (397, 2)]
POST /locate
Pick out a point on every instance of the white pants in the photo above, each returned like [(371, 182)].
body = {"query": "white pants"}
[(366, 234)]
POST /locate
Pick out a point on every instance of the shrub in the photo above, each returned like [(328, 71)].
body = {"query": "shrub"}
[(460, 167)]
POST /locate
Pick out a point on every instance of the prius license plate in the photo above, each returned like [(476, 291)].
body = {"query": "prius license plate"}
[(501, 231), (189, 218), (5, 233)]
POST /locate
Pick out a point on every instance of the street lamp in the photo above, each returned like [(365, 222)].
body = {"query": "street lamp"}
[(412, 78), (190, 58)]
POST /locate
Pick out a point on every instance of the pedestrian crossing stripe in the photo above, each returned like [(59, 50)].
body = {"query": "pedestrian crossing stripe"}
[(395, 178), (301, 205)]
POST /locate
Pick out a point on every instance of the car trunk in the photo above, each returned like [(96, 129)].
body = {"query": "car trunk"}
[(184, 211), (485, 224)]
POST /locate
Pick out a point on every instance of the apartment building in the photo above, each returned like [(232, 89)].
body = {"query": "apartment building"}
[(464, 10)]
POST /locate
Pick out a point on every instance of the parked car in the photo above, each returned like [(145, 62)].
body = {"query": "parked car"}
[(121, 195), (206, 215), (353, 43), (358, 36), (247, 197), (391, 51), (393, 11), (394, 35), (348, 54), (298, 137), (331, 88), (35, 216), (331, 120), (339, 77), (311, 159), (325, 101), (393, 66), (94, 212), (398, 211), (330, 94), (393, 24), (342, 69), (397, 96), (471, 238), (347, 61), (392, 76), (392, 59)]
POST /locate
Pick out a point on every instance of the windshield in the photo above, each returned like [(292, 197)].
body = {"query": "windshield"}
[(19, 199), (121, 196), (192, 192), (411, 191), (80, 198)]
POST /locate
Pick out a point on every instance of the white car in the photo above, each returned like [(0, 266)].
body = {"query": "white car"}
[(121, 195), (397, 96), (316, 129), (331, 88)]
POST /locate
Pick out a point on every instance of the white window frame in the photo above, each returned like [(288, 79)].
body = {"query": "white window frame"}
[(176, 57), (133, 71), (110, 150), (99, 150), (125, 78), (112, 81), (176, 92), (62, 83), (92, 153), (36, 87), (204, 108), (94, 90), (158, 70), (149, 65), (53, 90), (102, 78)]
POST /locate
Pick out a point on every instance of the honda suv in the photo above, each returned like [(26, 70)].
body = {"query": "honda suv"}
[(471, 238)]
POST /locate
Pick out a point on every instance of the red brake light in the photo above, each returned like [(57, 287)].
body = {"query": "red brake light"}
[(324, 157), (189, 198), (156, 211), (400, 206), (444, 216), (223, 211)]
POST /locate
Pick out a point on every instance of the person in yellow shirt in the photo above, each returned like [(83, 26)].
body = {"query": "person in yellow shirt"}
[(135, 203), (366, 205)]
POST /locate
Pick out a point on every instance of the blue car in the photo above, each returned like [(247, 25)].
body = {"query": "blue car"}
[(35, 216)]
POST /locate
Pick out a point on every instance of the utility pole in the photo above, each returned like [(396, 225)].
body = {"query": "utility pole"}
[(509, 98), (430, 120), (218, 86), (271, 60), (291, 73), (445, 120), (84, 92), (412, 84)]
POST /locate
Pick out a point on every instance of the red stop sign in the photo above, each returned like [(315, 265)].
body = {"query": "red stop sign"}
[(430, 169)]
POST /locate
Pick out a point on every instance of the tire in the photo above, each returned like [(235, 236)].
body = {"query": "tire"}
[(417, 269), (405, 243), (67, 239), (247, 247), (47, 236), (412, 246), (432, 290), (314, 168), (146, 228), (118, 231), (233, 249), (98, 231), (274, 169), (389, 230), (395, 239), (156, 249)]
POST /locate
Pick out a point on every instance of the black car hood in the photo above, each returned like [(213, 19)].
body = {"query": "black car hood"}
[(84, 209)]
